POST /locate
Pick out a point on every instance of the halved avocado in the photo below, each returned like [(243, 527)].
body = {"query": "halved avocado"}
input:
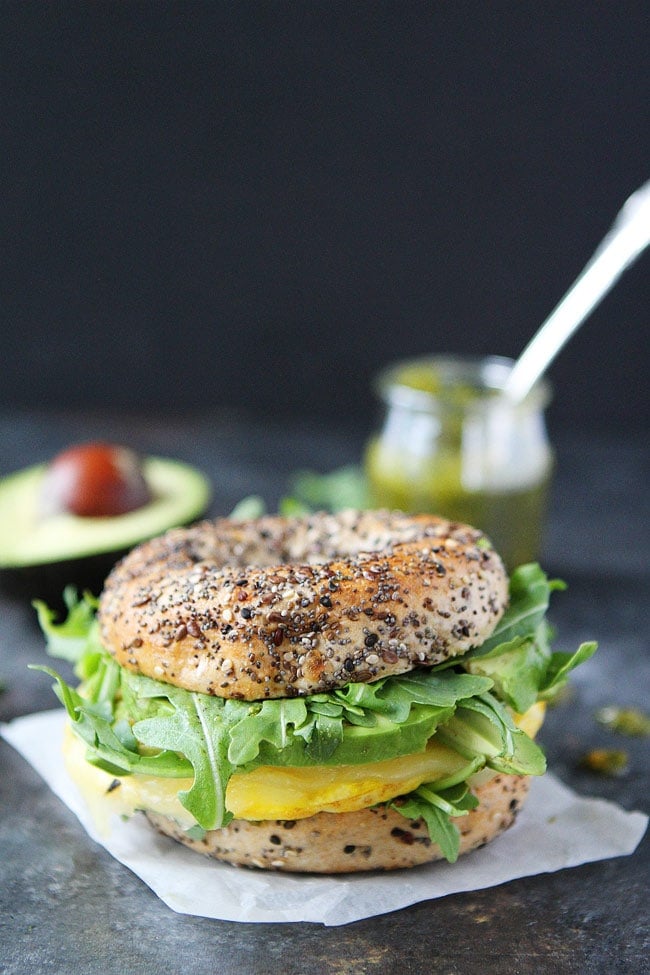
[(41, 554)]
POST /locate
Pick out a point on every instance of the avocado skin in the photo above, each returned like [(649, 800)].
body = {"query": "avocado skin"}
[(47, 580), (184, 490)]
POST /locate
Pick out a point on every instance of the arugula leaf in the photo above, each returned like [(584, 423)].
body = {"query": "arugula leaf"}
[(324, 739), (517, 657), (437, 809), (291, 507), (193, 731), (110, 745), (252, 506), (344, 487), (269, 721), (71, 639), (439, 826), (440, 690), (69, 697), (102, 678), (517, 669), (561, 665), (530, 590), (394, 696)]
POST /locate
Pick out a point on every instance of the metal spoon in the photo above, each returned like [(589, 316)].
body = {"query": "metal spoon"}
[(628, 237)]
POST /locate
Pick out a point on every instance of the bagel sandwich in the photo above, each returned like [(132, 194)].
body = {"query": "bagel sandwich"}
[(327, 693)]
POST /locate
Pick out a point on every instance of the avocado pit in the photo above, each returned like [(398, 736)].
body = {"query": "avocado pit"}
[(94, 480)]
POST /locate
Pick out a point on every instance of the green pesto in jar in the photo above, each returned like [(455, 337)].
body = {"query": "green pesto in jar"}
[(452, 445)]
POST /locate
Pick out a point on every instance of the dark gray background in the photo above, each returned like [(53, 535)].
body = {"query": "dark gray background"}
[(258, 204)]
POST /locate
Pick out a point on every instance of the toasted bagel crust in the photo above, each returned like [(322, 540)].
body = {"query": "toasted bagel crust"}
[(370, 839), (279, 607)]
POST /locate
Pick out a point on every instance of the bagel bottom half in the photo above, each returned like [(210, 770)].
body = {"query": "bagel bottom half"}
[(378, 838)]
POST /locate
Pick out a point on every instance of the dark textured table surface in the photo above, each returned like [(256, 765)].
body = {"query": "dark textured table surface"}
[(68, 907)]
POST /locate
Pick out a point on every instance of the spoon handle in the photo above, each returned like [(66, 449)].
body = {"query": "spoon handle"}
[(628, 237)]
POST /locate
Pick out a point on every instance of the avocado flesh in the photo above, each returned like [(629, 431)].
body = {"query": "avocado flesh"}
[(39, 555), (179, 494), (361, 745), (377, 743)]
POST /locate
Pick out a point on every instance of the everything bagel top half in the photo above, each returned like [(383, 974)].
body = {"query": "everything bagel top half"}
[(279, 607)]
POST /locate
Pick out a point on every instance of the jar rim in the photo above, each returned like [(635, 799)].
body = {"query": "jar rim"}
[(485, 375)]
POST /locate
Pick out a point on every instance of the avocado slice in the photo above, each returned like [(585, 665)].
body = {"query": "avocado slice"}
[(362, 744), (40, 555)]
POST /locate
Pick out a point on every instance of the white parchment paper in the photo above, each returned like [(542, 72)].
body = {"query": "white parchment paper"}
[(556, 829)]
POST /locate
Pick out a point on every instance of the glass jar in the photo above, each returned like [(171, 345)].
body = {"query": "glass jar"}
[(451, 444)]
